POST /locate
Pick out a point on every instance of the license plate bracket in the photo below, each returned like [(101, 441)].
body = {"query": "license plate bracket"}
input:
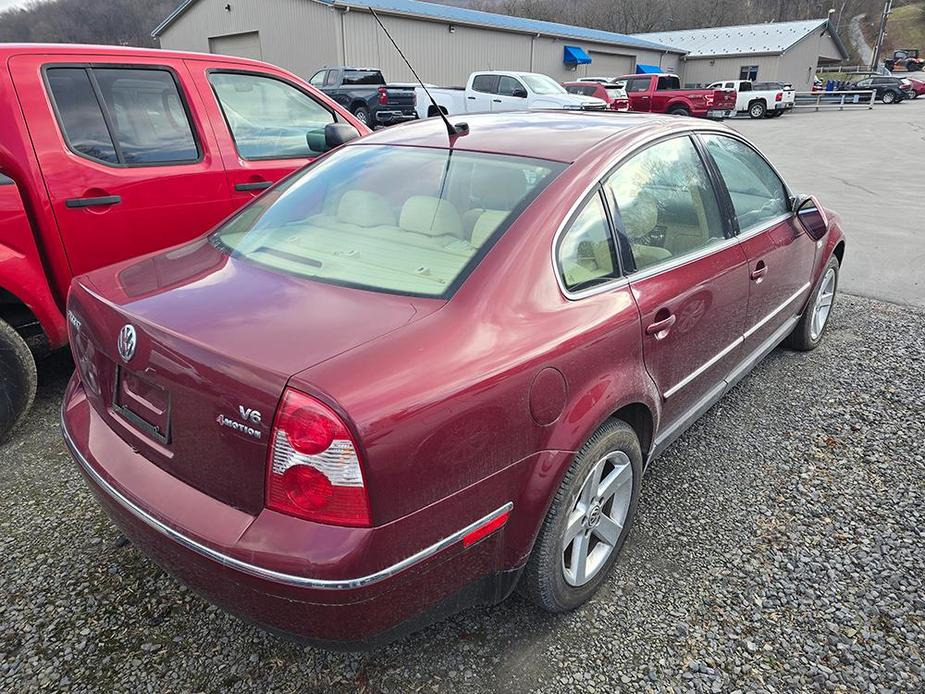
[(143, 404)]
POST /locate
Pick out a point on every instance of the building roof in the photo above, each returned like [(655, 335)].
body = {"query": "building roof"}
[(462, 15), (766, 39)]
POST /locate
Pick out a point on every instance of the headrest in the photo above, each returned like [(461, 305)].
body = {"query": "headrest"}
[(640, 215), (499, 187), (431, 216), (365, 209), (485, 226)]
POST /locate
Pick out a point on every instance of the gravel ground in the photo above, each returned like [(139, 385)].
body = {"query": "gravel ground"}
[(779, 547)]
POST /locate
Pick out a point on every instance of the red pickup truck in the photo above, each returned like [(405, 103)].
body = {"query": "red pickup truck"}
[(108, 153), (663, 94)]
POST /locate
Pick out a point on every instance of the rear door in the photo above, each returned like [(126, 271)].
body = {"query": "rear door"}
[(780, 253), (637, 91), (129, 162), (483, 90), (687, 272), (262, 123)]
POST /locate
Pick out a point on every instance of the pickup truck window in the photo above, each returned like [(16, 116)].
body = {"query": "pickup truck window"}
[(664, 203), (487, 84), (638, 84), (405, 220), (268, 118), (352, 77), (667, 82), (5, 180), (508, 85), (317, 79), (138, 119), (758, 195)]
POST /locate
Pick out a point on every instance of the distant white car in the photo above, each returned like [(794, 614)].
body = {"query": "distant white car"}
[(758, 103), (501, 90)]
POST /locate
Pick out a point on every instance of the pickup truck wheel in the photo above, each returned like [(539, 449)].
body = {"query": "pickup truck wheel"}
[(17, 379), (362, 114), (588, 520), (679, 111), (757, 109)]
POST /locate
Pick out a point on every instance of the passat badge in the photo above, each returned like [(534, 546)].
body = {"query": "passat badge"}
[(126, 342)]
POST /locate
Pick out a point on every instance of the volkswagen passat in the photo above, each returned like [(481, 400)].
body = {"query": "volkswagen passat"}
[(419, 373)]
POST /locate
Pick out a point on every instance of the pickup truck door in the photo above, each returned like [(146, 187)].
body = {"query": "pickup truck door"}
[(505, 100), (480, 93), (261, 120), (129, 162), (638, 91)]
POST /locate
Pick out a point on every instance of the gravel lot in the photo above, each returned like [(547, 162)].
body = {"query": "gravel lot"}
[(779, 547)]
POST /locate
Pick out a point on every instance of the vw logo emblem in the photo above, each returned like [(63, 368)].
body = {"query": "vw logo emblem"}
[(127, 342)]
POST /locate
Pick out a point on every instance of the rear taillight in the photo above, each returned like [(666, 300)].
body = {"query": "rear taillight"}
[(779, 96), (313, 470), (383, 96)]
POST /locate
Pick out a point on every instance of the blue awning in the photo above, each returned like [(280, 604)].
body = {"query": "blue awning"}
[(575, 55), (642, 69)]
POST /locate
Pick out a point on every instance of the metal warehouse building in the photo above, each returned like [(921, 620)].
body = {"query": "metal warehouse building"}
[(444, 43), (783, 51)]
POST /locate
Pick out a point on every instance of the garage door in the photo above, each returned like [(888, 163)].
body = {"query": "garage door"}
[(240, 45), (609, 65)]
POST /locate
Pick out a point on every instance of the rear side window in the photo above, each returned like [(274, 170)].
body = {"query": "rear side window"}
[(485, 83), (128, 116), (758, 195), (268, 118), (585, 252), (668, 82)]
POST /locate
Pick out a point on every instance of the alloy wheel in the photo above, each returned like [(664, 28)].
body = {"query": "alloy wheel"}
[(823, 305), (596, 521)]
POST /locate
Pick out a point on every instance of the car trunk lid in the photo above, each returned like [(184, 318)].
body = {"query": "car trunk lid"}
[(215, 341)]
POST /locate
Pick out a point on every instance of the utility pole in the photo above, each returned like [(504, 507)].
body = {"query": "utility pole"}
[(887, 8)]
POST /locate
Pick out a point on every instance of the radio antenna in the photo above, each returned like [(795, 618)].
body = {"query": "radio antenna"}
[(452, 130)]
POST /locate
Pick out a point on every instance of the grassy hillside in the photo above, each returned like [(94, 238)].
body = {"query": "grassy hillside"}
[(906, 28)]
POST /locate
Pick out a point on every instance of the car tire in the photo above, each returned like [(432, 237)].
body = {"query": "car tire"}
[(361, 113), (679, 111), (888, 97), (17, 379), (808, 333), (911, 94), (612, 452), (757, 109)]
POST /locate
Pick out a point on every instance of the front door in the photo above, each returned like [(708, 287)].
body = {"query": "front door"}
[(129, 164), (266, 126), (780, 253), (505, 100), (690, 278)]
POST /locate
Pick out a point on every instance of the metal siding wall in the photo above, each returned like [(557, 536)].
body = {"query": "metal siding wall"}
[(700, 71), (298, 35), (798, 65)]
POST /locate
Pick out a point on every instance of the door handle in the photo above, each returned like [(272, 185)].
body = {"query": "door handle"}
[(255, 185), (759, 272), (660, 328), (93, 202), (497, 101), (471, 98)]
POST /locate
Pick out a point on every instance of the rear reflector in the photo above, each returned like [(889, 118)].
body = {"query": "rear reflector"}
[(485, 530), (313, 471)]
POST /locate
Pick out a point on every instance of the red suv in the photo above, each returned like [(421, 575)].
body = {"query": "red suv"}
[(426, 369), (108, 153)]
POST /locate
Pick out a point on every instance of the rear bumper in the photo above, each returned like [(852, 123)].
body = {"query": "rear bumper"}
[(386, 117), (216, 549), (719, 114)]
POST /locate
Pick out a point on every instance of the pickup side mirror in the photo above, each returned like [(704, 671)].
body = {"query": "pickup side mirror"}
[(333, 135), (811, 216), (519, 93)]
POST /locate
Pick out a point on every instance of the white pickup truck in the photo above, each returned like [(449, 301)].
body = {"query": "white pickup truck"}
[(503, 91), (758, 103)]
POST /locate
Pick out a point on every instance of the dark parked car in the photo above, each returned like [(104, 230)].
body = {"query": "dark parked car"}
[(409, 378), (889, 89), (364, 93)]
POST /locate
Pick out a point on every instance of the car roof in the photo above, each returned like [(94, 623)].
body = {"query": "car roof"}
[(541, 134), (8, 50)]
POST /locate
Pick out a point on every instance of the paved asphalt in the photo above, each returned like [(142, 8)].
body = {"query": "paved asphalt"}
[(869, 166)]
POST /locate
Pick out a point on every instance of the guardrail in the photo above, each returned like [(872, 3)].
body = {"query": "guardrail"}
[(835, 100)]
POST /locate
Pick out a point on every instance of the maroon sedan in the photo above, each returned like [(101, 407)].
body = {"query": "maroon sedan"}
[(419, 373)]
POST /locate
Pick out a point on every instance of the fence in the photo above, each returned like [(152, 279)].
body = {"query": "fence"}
[(835, 100)]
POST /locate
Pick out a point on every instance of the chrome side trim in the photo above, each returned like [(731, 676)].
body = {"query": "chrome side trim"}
[(763, 226), (757, 326), (259, 571), (703, 367)]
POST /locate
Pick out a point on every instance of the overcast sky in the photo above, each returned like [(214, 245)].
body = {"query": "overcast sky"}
[(7, 4)]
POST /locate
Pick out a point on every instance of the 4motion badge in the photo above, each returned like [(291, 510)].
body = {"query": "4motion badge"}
[(250, 416)]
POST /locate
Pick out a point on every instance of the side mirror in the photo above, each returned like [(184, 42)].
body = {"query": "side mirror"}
[(333, 135), (811, 216), (519, 93)]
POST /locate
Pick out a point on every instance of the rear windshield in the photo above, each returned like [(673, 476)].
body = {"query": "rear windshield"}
[(363, 77), (406, 220), (581, 89)]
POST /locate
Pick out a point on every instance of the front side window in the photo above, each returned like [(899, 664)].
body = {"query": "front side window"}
[(585, 252), (407, 220), (487, 84), (541, 84), (758, 195), (317, 79), (664, 202), (640, 84), (748, 72), (268, 118), (508, 85)]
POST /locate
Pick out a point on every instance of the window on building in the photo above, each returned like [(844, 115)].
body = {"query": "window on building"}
[(748, 72)]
